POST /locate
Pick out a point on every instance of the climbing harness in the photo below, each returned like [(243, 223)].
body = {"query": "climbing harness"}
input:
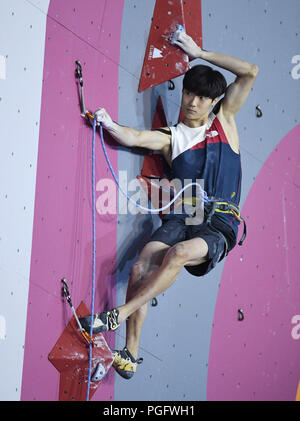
[(65, 291), (222, 206), (213, 204)]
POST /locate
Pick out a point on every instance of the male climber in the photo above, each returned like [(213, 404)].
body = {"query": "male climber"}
[(205, 145)]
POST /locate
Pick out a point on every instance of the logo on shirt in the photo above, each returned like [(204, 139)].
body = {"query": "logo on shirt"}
[(213, 133)]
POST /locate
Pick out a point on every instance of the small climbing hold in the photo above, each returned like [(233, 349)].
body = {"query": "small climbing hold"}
[(240, 315), (258, 111), (171, 85), (99, 373), (154, 302)]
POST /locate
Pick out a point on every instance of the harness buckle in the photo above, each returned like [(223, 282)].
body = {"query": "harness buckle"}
[(222, 206)]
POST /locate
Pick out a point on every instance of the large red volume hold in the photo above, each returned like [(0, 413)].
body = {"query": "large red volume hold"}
[(70, 356), (162, 60)]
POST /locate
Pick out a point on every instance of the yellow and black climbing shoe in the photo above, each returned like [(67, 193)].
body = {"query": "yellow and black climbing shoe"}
[(124, 363), (107, 320)]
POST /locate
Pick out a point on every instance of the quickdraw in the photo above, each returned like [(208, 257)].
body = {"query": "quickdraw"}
[(78, 73), (65, 291)]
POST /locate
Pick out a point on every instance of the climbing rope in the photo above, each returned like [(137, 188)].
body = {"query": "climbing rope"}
[(93, 259)]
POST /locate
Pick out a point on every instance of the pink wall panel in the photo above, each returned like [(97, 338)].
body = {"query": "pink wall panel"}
[(98, 23), (258, 358), (83, 20), (62, 237)]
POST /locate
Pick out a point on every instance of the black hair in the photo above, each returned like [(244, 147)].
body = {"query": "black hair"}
[(203, 80)]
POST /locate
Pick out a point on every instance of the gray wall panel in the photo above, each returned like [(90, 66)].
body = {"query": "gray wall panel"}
[(176, 335)]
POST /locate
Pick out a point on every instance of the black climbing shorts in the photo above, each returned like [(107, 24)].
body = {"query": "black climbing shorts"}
[(219, 237)]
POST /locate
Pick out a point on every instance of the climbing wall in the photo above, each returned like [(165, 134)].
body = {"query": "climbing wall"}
[(261, 281), (47, 191), (62, 235), (257, 358), (193, 343), (232, 335), (22, 36)]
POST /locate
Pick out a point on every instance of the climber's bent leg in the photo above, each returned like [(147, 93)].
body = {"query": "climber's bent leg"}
[(149, 260), (151, 257), (190, 252)]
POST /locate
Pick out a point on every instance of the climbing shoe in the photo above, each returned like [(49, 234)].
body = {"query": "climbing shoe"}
[(124, 363), (107, 320)]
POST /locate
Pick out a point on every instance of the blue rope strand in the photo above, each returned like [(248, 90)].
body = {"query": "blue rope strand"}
[(94, 258)]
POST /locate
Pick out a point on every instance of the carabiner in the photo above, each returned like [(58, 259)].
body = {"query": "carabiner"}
[(78, 72), (78, 75), (65, 291)]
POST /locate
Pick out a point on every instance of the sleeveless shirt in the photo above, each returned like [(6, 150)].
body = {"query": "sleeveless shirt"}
[(204, 153)]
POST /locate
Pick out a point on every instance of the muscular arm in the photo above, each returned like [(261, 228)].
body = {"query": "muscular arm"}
[(129, 137), (238, 91), (245, 72)]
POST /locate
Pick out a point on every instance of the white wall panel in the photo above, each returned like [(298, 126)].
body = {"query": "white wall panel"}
[(22, 37)]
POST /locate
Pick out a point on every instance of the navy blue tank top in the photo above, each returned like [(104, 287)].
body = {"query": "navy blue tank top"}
[(205, 153)]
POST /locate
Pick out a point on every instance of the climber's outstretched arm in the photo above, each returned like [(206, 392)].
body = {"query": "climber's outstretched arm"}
[(126, 136)]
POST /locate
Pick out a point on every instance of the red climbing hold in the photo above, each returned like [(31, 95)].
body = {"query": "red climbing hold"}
[(162, 60), (70, 356)]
